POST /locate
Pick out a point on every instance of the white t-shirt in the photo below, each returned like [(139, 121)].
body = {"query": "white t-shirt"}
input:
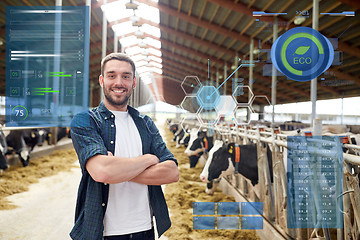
[(128, 209)]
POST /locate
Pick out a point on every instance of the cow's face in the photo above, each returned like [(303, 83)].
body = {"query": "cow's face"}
[(24, 157), (205, 172), (219, 164), (191, 150), (193, 137), (42, 137)]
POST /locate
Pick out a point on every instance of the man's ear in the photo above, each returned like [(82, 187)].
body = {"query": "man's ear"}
[(134, 83), (101, 80)]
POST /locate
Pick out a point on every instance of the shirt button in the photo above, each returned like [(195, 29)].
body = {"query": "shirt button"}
[(105, 118), (103, 204), (112, 142), (112, 116), (105, 184), (112, 125)]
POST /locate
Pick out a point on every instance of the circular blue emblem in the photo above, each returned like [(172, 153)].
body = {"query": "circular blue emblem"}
[(302, 54)]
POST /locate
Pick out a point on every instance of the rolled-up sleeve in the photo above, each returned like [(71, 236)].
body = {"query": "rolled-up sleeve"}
[(86, 138)]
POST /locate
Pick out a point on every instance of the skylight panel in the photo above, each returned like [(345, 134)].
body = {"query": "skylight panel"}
[(152, 42), (116, 10)]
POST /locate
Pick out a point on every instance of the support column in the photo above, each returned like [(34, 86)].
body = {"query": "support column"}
[(116, 39), (103, 46), (225, 76), (236, 75), (273, 75), (251, 73), (313, 90)]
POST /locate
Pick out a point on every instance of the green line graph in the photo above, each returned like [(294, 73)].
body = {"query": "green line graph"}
[(42, 91), (57, 74)]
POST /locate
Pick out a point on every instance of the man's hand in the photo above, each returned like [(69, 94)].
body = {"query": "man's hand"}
[(159, 174)]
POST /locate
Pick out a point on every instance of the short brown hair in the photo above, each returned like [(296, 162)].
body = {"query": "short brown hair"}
[(117, 56)]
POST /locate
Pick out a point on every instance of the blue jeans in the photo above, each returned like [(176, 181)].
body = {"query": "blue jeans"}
[(144, 235)]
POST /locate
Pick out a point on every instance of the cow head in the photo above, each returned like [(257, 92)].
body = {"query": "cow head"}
[(217, 148), (193, 136), (24, 157), (3, 150), (42, 134)]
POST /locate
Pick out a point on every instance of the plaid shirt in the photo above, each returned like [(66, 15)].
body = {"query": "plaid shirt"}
[(92, 133)]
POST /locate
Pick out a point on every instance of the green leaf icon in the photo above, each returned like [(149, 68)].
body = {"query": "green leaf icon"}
[(301, 50)]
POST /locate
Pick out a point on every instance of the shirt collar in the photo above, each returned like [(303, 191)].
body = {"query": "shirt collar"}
[(132, 111)]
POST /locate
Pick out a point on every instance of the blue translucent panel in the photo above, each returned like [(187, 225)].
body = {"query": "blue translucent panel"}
[(228, 208), (227, 222), (314, 166), (251, 222), (201, 223), (251, 208), (47, 64), (203, 208)]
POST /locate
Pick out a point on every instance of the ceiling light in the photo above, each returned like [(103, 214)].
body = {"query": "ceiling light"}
[(131, 5), (140, 34), (299, 20), (256, 51), (137, 24)]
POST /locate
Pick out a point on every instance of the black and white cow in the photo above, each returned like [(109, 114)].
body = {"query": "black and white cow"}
[(221, 162), (34, 137), (16, 141), (186, 138), (202, 144), (178, 136), (3, 150)]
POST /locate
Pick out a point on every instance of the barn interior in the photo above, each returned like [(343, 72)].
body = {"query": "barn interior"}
[(184, 47)]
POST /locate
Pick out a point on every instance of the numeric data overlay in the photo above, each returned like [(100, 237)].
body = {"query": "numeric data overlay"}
[(315, 182), (47, 64)]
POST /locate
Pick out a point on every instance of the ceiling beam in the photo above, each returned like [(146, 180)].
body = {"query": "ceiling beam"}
[(189, 37), (352, 3), (202, 23), (243, 8)]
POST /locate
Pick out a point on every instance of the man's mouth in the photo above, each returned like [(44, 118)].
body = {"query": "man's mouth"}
[(119, 90)]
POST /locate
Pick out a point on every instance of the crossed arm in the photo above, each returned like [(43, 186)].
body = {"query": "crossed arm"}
[(144, 169)]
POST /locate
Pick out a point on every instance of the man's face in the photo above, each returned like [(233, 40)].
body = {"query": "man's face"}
[(117, 83)]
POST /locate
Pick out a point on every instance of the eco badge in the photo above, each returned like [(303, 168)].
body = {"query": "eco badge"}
[(302, 54)]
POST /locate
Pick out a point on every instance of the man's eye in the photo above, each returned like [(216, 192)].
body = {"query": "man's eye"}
[(111, 76)]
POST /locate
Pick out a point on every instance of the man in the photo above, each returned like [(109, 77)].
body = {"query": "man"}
[(123, 161)]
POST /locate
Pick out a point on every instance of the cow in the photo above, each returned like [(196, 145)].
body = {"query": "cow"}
[(202, 144), (34, 137), (174, 127), (16, 141), (178, 135), (61, 133), (185, 140), (226, 159), (3, 150)]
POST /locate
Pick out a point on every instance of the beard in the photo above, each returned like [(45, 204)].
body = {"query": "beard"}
[(116, 101)]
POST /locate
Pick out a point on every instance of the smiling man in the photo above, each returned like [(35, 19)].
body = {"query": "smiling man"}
[(123, 161)]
